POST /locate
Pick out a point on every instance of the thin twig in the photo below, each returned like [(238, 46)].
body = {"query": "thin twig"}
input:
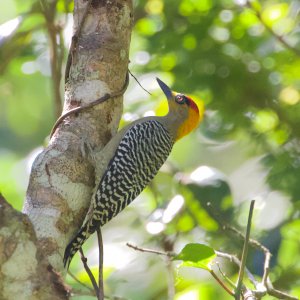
[(81, 283), (266, 268), (138, 82), (89, 272), (169, 254), (254, 243), (278, 294), (280, 38), (250, 295), (221, 283), (232, 285), (101, 254), (244, 253), (89, 105), (236, 261)]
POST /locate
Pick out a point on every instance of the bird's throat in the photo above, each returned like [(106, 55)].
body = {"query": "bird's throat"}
[(188, 125)]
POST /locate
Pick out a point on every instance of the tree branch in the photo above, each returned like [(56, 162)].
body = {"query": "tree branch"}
[(278, 294), (235, 260), (244, 254), (89, 272), (169, 254), (101, 256), (56, 52)]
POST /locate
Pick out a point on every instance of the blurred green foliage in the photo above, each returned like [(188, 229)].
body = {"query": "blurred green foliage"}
[(248, 145)]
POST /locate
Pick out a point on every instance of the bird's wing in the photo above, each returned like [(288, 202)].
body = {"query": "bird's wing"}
[(141, 152)]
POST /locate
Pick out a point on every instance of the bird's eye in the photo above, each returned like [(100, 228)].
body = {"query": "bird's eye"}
[(180, 99)]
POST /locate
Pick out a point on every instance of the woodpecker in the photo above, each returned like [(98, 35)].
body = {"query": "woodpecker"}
[(131, 160)]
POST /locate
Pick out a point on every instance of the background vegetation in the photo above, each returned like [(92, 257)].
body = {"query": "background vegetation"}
[(243, 60)]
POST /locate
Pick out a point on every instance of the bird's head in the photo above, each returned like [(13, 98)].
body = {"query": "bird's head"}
[(184, 112)]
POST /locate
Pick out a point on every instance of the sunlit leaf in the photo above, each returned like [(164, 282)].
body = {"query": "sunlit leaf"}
[(196, 255)]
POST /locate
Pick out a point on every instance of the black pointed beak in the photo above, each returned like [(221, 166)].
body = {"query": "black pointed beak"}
[(165, 89)]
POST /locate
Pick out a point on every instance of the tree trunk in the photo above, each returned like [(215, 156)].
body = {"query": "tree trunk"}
[(63, 177), (24, 270)]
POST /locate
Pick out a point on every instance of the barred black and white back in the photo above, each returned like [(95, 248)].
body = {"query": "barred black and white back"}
[(140, 154)]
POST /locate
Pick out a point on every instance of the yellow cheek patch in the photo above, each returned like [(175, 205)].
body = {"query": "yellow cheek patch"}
[(195, 116), (188, 125)]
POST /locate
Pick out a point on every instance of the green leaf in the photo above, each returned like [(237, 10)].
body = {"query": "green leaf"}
[(196, 255)]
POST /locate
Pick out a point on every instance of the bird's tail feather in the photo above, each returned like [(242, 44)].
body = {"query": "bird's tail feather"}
[(76, 244)]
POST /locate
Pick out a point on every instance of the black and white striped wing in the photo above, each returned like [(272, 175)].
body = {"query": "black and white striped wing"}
[(140, 154)]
